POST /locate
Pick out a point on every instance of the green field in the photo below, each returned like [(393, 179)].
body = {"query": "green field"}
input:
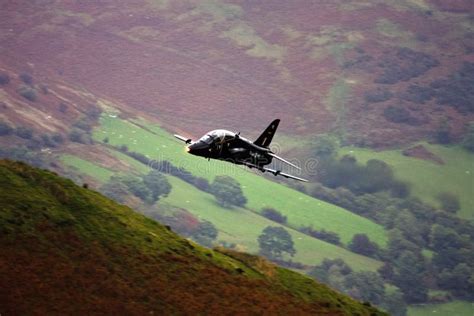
[(99, 173), (243, 227), (427, 178), (456, 308), (299, 208)]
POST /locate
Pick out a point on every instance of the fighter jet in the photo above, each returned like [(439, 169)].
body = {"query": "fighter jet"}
[(231, 147)]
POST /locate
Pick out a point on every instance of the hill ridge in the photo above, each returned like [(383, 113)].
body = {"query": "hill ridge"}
[(67, 249)]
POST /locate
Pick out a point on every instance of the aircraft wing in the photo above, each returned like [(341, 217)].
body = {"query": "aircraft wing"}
[(283, 160), (184, 139), (286, 175), (273, 171)]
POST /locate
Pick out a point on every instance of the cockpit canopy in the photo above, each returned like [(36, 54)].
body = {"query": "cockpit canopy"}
[(217, 134)]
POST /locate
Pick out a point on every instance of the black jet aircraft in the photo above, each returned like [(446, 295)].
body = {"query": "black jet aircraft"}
[(228, 146)]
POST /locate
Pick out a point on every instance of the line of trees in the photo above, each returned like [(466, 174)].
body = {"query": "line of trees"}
[(364, 285), (413, 226), (149, 188)]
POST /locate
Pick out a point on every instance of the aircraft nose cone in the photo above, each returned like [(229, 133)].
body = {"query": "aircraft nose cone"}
[(197, 148)]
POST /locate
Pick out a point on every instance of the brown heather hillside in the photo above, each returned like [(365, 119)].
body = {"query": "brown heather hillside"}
[(198, 65), (69, 250)]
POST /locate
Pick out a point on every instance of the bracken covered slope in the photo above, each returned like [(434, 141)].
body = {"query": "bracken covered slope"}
[(69, 250), (320, 66)]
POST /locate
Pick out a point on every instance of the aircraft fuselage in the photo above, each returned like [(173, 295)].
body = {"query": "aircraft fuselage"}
[(229, 146)]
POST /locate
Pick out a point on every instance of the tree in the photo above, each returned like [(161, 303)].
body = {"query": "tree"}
[(157, 184), (468, 140), (365, 286), (205, 233), (325, 146), (458, 279), (138, 188), (444, 237), (449, 202), (202, 184), (397, 243), (411, 228), (227, 192), (79, 136), (394, 303), (274, 241), (330, 266), (377, 176), (361, 244), (409, 275), (115, 190), (273, 215)]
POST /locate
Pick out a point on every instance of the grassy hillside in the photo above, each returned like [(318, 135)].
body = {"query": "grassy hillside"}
[(69, 250), (428, 179), (300, 209)]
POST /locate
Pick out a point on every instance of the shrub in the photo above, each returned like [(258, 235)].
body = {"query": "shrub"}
[(418, 94), (47, 141), (123, 148), (398, 115), (44, 89), (28, 93), (24, 132), (449, 202), (26, 78), (84, 123), (63, 107), (404, 65), (327, 236), (378, 95), (115, 190), (442, 134), (457, 90), (57, 138), (94, 113), (135, 155), (202, 184), (5, 129), (79, 136), (4, 79), (273, 215), (205, 233)]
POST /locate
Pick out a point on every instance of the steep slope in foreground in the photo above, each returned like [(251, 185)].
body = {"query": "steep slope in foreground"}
[(66, 249)]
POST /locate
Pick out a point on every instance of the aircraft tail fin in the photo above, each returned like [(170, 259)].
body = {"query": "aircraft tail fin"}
[(265, 139)]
